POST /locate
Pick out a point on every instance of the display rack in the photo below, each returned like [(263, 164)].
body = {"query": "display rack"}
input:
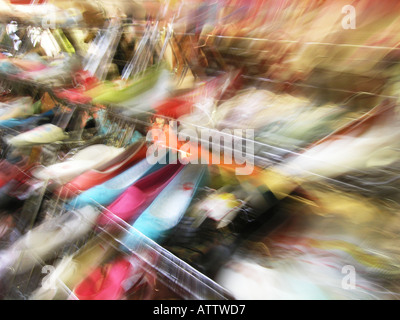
[(184, 280), (173, 272)]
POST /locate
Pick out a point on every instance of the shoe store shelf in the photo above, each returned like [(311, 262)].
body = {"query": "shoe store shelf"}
[(26, 278), (286, 67)]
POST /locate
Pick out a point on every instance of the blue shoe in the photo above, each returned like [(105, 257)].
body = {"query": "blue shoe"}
[(35, 120), (107, 192), (10, 123), (168, 208)]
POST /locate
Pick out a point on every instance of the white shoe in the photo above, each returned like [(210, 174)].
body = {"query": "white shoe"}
[(42, 242), (47, 133), (91, 157)]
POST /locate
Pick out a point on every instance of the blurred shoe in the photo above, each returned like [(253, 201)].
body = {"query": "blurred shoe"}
[(309, 124), (29, 65), (133, 201), (218, 224), (47, 133), (76, 95), (12, 192), (108, 170), (115, 95), (107, 192), (42, 242), (9, 171), (88, 158), (249, 280), (359, 145), (167, 209), (220, 207), (119, 279), (33, 121), (145, 100), (74, 268), (105, 282), (19, 108), (99, 88), (59, 72), (84, 82), (173, 108), (204, 100)]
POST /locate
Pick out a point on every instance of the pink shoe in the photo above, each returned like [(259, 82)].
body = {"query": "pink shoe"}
[(131, 203), (118, 280), (105, 282)]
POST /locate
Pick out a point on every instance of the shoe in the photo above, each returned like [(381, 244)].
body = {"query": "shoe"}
[(118, 280), (132, 89), (29, 65), (357, 146), (173, 108), (246, 279), (221, 206), (99, 88), (199, 105), (12, 192), (47, 133), (107, 192), (217, 225), (59, 72), (43, 241), (19, 108), (9, 171), (143, 102), (88, 158), (167, 209), (76, 95), (110, 169), (33, 121), (84, 82), (132, 202), (73, 269), (105, 282)]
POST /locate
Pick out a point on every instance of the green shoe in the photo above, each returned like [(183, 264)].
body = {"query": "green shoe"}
[(114, 95)]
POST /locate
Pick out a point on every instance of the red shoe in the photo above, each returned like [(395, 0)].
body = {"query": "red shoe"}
[(75, 95), (222, 87), (84, 82), (174, 108), (10, 171), (134, 199), (94, 177), (117, 280)]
